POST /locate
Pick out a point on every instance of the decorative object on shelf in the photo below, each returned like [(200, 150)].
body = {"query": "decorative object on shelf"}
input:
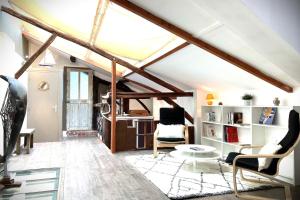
[(220, 103), (210, 131), (276, 101), (267, 116), (209, 98), (211, 116), (247, 99), (237, 118)]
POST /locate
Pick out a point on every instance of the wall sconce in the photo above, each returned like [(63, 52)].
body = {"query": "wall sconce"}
[(209, 99)]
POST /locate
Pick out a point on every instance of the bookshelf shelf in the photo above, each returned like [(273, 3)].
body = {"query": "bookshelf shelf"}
[(251, 132), (237, 144), (210, 122), (271, 126), (213, 139), (238, 125)]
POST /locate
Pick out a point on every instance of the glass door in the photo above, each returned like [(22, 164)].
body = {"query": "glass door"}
[(79, 99)]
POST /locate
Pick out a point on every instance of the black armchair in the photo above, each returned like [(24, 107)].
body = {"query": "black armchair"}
[(170, 116), (249, 162)]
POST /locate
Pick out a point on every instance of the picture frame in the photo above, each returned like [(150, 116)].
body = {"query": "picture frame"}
[(210, 131)]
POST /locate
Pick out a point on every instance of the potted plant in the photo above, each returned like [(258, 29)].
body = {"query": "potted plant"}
[(247, 99)]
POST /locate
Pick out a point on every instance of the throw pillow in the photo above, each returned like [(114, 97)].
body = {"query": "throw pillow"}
[(269, 148), (171, 131)]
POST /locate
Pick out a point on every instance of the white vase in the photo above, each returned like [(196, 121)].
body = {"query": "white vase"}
[(247, 102)]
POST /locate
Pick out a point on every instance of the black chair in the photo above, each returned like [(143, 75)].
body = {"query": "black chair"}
[(249, 162), (12, 114), (169, 116)]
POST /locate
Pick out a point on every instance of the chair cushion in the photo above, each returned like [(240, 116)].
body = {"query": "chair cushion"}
[(269, 148), (171, 131), (249, 163), (162, 139), (169, 116)]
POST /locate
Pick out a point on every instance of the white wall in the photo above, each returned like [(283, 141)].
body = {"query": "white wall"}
[(135, 105), (61, 61)]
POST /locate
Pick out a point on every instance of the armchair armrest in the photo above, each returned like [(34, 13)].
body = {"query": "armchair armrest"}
[(155, 134), (249, 147), (257, 156), (186, 134)]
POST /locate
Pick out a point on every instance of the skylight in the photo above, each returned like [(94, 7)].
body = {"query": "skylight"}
[(114, 29)]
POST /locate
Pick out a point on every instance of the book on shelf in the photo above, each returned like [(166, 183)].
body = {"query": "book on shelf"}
[(231, 134), (268, 115)]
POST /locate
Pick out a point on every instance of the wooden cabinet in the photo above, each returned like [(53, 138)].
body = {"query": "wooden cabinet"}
[(125, 135)]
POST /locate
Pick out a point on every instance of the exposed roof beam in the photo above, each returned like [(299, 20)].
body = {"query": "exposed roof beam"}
[(166, 99), (90, 47), (161, 57), (128, 89), (63, 51), (34, 56), (136, 95), (202, 44)]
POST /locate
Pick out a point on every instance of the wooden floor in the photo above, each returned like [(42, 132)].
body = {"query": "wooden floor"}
[(92, 172)]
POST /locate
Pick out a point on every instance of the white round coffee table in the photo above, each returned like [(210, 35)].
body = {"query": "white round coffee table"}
[(199, 155)]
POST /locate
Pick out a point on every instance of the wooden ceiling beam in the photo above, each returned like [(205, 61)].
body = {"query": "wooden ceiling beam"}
[(166, 99), (136, 95), (90, 47), (161, 57), (202, 44), (35, 56)]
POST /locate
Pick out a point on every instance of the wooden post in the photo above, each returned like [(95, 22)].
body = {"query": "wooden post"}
[(34, 56), (113, 108)]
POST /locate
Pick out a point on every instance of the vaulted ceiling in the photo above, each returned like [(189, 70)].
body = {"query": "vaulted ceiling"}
[(234, 26)]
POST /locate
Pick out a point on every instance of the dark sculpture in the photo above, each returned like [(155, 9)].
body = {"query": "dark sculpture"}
[(12, 114)]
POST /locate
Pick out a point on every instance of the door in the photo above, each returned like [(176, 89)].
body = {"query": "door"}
[(79, 99), (43, 98)]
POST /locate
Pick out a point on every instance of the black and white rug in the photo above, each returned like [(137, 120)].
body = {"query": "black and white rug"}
[(179, 179)]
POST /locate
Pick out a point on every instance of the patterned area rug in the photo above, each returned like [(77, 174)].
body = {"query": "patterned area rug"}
[(81, 133), (179, 179), (41, 184)]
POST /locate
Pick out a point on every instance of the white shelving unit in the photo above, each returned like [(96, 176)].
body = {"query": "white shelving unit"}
[(251, 133)]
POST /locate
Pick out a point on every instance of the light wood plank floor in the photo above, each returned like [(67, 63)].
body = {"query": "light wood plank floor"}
[(92, 172)]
